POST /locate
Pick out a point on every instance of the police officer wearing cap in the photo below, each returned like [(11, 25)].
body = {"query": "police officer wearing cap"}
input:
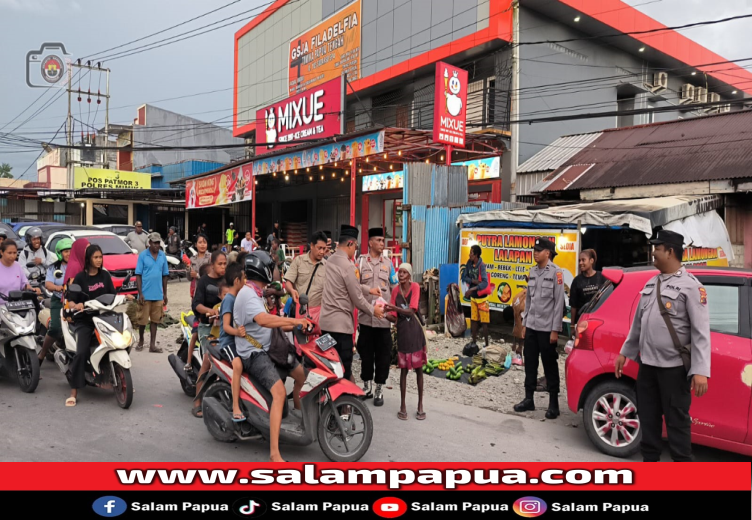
[(342, 293), (665, 381), (377, 277), (544, 306)]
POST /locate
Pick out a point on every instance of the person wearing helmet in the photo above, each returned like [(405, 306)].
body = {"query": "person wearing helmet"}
[(36, 253), (251, 313), (55, 282)]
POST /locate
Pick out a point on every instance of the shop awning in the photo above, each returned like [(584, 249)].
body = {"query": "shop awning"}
[(692, 216)]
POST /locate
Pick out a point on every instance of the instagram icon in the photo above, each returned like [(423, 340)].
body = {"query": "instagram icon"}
[(530, 507)]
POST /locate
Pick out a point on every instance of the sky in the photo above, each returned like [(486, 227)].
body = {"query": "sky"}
[(204, 63)]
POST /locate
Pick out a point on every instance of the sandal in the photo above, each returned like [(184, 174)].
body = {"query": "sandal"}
[(71, 401), (155, 350), (402, 416), (188, 369), (238, 417), (196, 411), (421, 416), (139, 347)]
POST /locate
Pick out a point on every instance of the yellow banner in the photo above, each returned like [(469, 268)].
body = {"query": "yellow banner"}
[(98, 178), (508, 255), (712, 256)]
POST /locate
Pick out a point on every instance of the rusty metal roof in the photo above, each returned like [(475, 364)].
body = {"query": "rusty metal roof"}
[(717, 147), (557, 153)]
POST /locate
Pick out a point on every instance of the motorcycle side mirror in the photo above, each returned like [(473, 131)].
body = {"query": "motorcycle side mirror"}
[(31, 264), (303, 299), (212, 290), (75, 289), (58, 273), (15, 295)]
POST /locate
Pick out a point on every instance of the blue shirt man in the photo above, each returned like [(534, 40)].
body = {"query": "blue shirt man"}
[(152, 273)]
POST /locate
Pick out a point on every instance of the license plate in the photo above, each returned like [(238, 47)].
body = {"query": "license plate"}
[(19, 306), (130, 286)]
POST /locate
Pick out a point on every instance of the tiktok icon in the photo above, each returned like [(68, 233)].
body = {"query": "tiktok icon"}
[(246, 507)]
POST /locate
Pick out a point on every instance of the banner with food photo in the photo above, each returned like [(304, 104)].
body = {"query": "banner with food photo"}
[(226, 187), (508, 255)]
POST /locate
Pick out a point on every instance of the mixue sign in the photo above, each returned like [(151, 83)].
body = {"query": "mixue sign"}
[(450, 105), (314, 114)]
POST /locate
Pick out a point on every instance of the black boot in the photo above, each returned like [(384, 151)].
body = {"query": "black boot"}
[(527, 404), (553, 406)]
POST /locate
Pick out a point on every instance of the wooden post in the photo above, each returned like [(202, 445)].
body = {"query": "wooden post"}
[(353, 177)]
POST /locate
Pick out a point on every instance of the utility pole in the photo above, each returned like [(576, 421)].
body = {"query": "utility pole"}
[(69, 137)]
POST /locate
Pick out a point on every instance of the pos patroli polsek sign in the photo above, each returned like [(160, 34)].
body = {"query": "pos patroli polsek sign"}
[(450, 105)]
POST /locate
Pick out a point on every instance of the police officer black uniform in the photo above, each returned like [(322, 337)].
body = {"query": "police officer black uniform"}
[(664, 384), (544, 311)]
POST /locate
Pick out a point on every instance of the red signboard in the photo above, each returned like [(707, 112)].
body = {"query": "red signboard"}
[(226, 187), (313, 114), (450, 105)]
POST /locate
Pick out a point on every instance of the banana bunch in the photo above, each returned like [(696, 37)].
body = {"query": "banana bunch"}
[(494, 369), (477, 375)]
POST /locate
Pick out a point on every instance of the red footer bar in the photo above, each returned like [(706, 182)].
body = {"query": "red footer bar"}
[(97, 476)]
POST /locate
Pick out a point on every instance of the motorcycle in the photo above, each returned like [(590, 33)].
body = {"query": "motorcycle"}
[(37, 281), (177, 361), (18, 347), (331, 413), (110, 363)]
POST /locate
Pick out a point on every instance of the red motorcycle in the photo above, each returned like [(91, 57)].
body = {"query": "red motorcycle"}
[(331, 411)]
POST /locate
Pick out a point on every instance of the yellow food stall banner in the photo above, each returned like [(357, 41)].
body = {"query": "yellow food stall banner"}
[(712, 256), (101, 179), (508, 255)]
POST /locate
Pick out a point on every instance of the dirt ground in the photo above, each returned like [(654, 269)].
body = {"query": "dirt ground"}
[(499, 394)]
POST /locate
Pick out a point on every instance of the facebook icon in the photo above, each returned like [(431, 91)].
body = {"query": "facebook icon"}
[(109, 506)]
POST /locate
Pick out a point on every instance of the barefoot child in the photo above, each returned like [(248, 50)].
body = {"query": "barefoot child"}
[(235, 278), (194, 336), (411, 341)]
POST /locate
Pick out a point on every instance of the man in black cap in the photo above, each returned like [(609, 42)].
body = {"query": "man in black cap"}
[(377, 277), (544, 310), (670, 338), (342, 292)]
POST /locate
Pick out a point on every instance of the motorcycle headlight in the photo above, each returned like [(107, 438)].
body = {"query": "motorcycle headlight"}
[(117, 339), (18, 324)]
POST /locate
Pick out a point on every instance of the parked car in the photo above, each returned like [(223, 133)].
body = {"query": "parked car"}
[(119, 260), (8, 228), (720, 419), (120, 230)]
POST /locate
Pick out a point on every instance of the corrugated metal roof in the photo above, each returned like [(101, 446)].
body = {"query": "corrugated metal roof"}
[(717, 147), (557, 153)]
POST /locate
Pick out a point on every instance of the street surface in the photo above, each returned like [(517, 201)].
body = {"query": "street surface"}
[(159, 427)]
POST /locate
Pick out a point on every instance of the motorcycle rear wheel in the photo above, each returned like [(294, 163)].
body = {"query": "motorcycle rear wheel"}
[(124, 387), (336, 446), (28, 372), (222, 392)]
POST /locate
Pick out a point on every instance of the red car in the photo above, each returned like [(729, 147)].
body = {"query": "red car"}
[(118, 258), (722, 418)]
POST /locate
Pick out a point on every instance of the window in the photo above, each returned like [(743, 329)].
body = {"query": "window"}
[(723, 306), (110, 245)]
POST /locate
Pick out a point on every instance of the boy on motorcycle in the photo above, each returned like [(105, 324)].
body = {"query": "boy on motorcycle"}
[(56, 285), (35, 252), (250, 312), (235, 278)]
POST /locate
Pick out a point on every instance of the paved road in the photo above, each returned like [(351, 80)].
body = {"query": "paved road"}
[(159, 427)]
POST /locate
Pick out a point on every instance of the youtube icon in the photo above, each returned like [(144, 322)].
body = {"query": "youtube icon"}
[(390, 507)]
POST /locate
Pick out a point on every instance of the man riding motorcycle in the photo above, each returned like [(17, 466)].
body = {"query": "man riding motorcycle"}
[(35, 252), (56, 284)]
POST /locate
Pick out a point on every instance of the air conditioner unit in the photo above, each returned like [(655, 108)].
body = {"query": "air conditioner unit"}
[(660, 81), (701, 95), (725, 108), (687, 94), (713, 98)]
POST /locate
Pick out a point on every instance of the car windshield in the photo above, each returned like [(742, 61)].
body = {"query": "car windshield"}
[(8, 231), (110, 245)]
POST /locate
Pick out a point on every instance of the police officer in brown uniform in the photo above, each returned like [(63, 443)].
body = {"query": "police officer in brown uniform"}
[(342, 293), (375, 339), (671, 317), (544, 311)]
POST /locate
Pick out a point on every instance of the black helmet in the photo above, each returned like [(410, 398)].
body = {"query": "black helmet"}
[(33, 232), (259, 266)]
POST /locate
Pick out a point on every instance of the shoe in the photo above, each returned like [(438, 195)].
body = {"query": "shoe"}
[(553, 407), (378, 396), (518, 361), (527, 405), (367, 389)]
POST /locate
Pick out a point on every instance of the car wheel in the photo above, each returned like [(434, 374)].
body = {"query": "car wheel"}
[(611, 420)]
